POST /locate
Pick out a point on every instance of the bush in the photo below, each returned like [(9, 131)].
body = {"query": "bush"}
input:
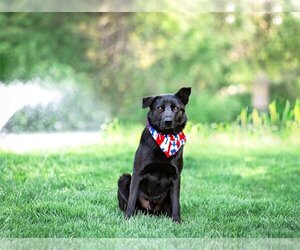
[(278, 116), (212, 108)]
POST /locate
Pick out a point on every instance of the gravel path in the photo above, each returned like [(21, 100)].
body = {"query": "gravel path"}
[(47, 141)]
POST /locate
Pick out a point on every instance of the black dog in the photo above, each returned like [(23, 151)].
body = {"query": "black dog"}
[(155, 184)]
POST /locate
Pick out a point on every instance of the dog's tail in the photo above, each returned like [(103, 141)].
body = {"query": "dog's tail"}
[(123, 190)]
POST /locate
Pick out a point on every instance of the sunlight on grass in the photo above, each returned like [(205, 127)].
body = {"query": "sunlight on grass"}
[(251, 172)]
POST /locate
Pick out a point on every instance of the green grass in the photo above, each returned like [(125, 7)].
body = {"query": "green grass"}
[(232, 186)]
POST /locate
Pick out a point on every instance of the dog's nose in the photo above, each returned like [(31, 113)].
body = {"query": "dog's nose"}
[(168, 122)]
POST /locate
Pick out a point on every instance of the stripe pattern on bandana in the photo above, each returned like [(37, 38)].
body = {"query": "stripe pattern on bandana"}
[(169, 143)]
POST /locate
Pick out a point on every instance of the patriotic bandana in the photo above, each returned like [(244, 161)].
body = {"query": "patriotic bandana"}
[(169, 143)]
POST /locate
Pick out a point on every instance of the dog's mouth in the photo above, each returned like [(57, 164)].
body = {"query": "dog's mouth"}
[(168, 129), (167, 126)]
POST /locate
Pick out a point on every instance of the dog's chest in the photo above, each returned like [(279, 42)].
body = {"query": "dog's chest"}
[(157, 179), (159, 174), (159, 171)]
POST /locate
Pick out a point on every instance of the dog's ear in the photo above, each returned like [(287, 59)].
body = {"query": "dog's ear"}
[(183, 94), (147, 101)]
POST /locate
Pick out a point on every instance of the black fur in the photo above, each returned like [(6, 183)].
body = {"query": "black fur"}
[(154, 186)]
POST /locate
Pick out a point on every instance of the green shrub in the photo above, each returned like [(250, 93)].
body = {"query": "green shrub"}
[(211, 108), (288, 116)]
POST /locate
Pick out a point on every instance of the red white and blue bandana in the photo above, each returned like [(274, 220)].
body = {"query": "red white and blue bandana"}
[(169, 143)]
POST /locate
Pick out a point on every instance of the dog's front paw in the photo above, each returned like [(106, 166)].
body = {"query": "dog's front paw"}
[(128, 214), (176, 219)]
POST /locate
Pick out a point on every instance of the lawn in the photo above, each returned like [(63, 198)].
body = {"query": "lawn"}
[(232, 186)]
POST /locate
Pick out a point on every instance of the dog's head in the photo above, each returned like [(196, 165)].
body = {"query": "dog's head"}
[(167, 112)]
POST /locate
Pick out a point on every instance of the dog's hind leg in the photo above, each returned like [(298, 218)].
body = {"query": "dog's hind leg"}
[(123, 190)]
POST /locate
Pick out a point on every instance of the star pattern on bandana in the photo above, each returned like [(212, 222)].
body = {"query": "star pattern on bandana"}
[(169, 143)]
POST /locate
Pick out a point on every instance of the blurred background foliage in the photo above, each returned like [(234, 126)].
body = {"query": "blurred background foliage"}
[(117, 58)]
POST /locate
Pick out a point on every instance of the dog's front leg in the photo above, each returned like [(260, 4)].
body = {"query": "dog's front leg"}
[(133, 193), (175, 203)]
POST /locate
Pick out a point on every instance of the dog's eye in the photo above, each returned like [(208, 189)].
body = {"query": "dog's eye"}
[(175, 109), (160, 108)]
